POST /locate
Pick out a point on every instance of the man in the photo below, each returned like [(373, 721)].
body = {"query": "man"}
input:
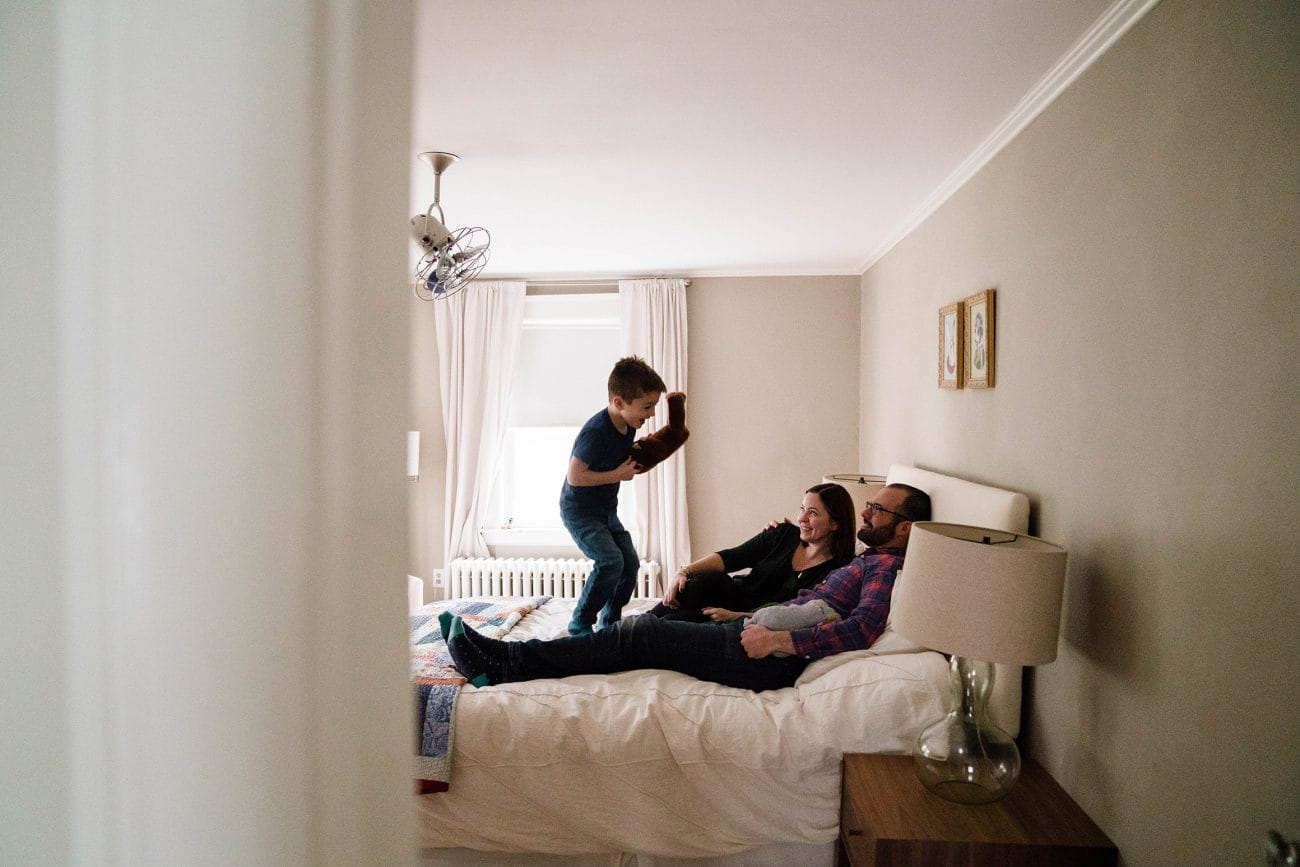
[(728, 653)]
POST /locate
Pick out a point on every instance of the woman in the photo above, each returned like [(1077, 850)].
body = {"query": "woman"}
[(782, 560)]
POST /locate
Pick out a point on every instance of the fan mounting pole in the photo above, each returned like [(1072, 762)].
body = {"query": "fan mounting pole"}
[(440, 161)]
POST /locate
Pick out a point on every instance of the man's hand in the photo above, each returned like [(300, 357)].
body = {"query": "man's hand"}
[(776, 522), (759, 641)]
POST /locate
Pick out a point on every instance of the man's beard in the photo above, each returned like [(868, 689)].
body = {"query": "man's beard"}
[(873, 537)]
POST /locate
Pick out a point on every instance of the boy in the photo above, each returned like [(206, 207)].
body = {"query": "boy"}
[(600, 460)]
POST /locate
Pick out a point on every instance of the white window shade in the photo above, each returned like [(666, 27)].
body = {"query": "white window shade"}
[(569, 345), (536, 460)]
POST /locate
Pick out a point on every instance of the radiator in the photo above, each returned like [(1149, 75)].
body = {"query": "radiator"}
[(517, 576)]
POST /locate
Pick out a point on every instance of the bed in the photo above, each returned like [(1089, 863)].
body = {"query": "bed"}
[(649, 767)]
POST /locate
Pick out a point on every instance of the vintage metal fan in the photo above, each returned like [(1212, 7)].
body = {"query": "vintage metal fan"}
[(449, 258)]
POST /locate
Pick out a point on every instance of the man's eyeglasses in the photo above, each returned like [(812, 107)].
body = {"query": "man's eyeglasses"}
[(870, 508)]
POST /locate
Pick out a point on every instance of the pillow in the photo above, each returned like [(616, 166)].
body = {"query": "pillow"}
[(889, 643)]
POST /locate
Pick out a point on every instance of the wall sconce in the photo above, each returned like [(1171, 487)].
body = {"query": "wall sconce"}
[(413, 455)]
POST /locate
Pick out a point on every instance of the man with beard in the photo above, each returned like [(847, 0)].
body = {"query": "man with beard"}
[(729, 653)]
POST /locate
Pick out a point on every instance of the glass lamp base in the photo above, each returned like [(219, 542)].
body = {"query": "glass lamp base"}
[(964, 757)]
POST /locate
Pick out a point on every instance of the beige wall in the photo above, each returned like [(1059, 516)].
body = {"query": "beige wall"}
[(772, 403), (1141, 234), (772, 385), (426, 504)]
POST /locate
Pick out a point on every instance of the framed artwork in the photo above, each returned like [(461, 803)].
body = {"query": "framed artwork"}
[(951, 343), (980, 343)]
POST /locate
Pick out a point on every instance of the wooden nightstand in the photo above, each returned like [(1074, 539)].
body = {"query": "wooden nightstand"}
[(888, 818)]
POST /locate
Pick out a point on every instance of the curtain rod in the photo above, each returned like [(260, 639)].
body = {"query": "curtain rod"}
[(610, 282)]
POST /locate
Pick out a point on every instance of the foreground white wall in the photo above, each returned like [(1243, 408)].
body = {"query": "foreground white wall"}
[(1141, 234), (35, 755), (206, 406)]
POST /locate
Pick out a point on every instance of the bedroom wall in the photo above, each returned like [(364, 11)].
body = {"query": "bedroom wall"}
[(771, 406), (425, 504), (1141, 236)]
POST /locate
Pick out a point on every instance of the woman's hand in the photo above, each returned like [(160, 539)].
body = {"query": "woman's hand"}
[(718, 615), (670, 593), (776, 522)]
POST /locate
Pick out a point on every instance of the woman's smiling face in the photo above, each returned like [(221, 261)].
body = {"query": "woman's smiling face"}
[(815, 523)]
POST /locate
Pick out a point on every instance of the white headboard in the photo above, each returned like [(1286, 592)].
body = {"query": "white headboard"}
[(958, 501)]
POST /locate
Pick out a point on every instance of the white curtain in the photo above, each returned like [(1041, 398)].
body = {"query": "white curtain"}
[(654, 327), (478, 331)]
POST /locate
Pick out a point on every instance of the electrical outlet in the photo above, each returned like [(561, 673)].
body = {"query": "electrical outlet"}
[(439, 579)]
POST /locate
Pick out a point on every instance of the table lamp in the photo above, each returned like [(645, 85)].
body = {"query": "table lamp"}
[(983, 596), (861, 487)]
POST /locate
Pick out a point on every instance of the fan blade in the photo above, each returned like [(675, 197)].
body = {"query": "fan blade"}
[(469, 253)]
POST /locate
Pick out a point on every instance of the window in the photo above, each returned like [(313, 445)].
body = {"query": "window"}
[(569, 345)]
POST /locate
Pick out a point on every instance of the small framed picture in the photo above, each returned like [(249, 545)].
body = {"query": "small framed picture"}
[(980, 342), (951, 343)]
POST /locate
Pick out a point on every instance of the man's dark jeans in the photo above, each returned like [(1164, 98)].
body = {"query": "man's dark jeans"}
[(708, 651)]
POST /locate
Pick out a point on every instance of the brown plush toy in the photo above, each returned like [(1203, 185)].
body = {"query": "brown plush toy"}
[(650, 450)]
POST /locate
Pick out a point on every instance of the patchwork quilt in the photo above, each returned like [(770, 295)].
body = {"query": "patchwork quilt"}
[(437, 683)]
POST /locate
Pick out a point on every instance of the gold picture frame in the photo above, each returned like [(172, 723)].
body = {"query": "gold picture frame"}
[(952, 344), (981, 346)]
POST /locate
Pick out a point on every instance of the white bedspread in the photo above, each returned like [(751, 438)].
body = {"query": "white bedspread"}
[(660, 763)]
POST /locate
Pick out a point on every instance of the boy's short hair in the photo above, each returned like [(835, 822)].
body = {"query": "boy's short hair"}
[(632, 377)]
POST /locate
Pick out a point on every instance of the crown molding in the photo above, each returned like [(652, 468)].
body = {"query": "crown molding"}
[(1104, 33)]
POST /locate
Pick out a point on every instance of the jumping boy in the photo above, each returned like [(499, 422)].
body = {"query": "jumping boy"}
[(600, 460)]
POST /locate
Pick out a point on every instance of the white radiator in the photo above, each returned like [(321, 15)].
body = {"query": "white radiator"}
[(517, 576)]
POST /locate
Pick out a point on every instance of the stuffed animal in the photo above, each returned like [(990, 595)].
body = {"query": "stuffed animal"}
[(783, 617), (651, 450)]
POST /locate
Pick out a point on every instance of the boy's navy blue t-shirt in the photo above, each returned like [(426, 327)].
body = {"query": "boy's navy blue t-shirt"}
[(602, 448)]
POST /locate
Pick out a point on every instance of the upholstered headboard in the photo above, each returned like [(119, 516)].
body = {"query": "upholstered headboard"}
[(958, 501)]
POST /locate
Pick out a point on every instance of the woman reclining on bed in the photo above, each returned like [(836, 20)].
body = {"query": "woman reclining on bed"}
[(782, 560), (858, 594)]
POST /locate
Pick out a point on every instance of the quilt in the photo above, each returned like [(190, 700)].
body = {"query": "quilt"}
[(437, 683)]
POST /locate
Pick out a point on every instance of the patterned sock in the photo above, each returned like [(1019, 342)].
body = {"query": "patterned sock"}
[(479, 667), (492, 648)]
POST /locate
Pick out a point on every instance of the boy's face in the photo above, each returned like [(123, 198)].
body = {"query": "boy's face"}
[(635, 412)]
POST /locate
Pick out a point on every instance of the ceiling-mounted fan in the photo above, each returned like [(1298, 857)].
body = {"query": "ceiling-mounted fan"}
[(449, 258)]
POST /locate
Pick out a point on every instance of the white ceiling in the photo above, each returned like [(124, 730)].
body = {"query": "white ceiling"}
[(614, 138)]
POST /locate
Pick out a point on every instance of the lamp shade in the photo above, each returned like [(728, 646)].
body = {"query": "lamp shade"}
[(980, 593), (861, 487)]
